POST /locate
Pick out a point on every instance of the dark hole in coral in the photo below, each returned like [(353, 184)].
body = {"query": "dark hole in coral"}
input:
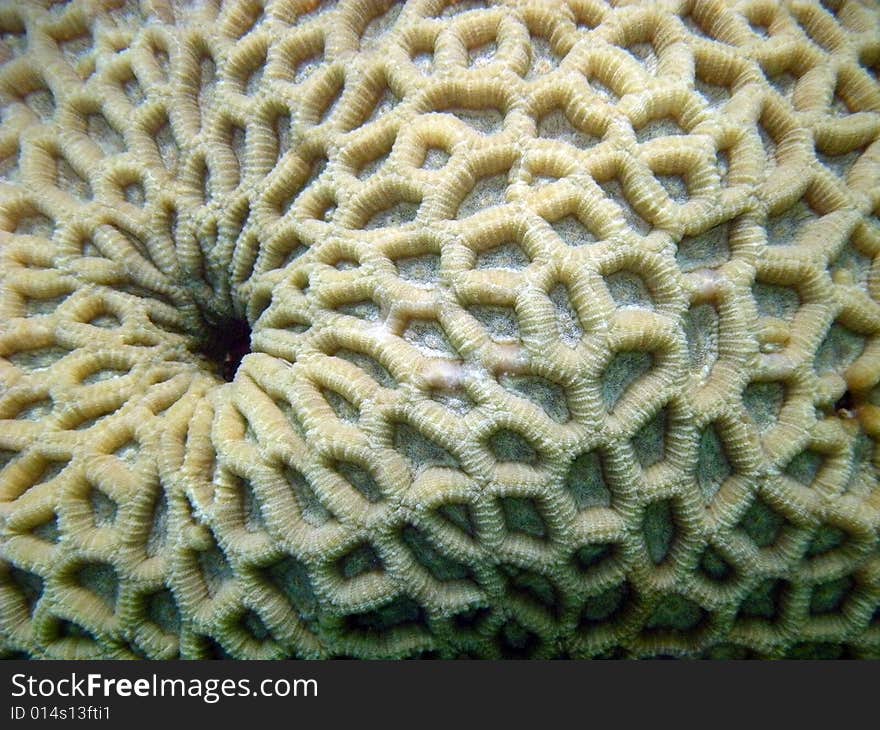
[(227, 343), (845, 402)]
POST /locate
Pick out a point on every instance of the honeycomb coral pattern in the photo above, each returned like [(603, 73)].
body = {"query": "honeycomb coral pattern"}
[(565, 328)]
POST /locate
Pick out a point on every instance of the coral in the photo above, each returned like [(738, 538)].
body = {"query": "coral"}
[(564, 326)]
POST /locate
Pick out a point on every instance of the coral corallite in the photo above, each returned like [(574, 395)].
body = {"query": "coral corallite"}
[(564, 327)]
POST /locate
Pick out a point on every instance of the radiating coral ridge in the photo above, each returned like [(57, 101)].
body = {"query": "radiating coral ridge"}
[(563, 325)]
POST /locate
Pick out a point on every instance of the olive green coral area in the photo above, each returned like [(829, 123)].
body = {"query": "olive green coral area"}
[(564, 320)]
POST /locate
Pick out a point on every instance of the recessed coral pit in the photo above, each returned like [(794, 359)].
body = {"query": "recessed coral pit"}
[(226, 344)]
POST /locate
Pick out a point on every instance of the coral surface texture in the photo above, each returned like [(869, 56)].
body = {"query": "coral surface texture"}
[(561, 322)]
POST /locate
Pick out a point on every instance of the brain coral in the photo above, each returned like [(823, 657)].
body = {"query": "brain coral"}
[(564, 328)]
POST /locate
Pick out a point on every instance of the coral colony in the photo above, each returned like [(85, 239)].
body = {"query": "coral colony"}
[(372, 329)]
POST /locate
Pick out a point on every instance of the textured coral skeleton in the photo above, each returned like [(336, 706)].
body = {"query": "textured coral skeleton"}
[(564, 325)]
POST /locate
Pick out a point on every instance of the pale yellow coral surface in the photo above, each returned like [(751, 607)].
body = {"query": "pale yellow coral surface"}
[(564, 324)]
